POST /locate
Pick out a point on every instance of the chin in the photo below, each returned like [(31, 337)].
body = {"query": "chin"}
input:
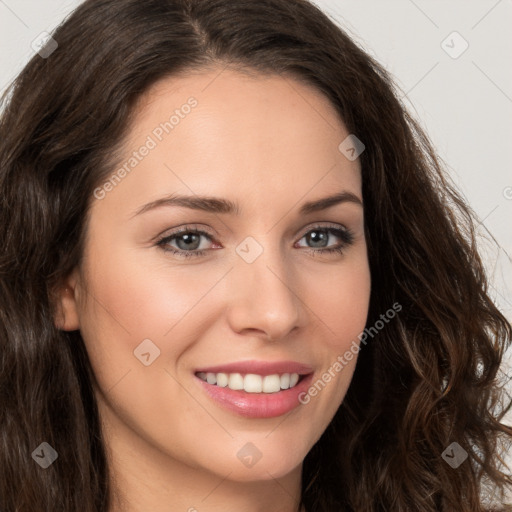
[(262, 463)]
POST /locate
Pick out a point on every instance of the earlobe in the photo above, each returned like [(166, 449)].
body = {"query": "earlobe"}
[(66, 317)]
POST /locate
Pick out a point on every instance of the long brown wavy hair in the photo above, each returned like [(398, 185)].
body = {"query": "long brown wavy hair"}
[(428, 379)]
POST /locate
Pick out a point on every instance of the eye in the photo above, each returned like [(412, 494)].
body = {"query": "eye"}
[(188, 241), (320, 237)]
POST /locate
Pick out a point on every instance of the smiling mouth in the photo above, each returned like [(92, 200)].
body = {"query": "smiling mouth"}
[(251, 382)]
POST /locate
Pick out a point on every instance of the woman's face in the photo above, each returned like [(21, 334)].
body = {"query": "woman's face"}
[(263, 298)]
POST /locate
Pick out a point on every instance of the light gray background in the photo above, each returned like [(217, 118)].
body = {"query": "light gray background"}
[(465, 103)]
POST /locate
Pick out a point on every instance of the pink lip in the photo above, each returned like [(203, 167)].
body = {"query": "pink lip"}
[(259, 368), (258, 405)]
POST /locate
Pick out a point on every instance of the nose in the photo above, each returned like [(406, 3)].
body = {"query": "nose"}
[(262, 297)]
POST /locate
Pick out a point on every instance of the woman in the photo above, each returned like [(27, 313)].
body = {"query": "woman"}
[(234, 276)]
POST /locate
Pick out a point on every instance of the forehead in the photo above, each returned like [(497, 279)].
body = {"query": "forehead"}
[(220, 130), (230, 101)]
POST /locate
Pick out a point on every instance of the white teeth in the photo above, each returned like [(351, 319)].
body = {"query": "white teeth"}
[(251, 383), (271, 384), (236, 381), (222, 379)]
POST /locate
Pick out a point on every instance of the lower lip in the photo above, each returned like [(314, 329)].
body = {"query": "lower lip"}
[(258, 405)]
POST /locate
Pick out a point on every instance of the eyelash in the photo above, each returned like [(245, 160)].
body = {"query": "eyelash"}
[(344, 234)]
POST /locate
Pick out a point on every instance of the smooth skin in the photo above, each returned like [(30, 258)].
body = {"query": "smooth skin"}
[(270, 144)]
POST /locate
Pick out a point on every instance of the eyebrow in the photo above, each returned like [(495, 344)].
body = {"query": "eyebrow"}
[(220, 205)]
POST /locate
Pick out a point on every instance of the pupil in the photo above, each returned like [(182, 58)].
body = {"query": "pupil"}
[(189, 240), (319, 235)]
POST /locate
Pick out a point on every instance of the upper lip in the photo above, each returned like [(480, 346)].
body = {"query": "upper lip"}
[(259, 367)]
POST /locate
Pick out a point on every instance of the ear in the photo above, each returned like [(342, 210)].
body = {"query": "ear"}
[(66, 296)]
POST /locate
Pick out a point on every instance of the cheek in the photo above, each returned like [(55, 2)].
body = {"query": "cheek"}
[(339, 298), (127, 302), (340, 301)]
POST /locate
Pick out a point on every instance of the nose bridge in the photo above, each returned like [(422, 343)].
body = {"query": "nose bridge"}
[(262, 291)]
